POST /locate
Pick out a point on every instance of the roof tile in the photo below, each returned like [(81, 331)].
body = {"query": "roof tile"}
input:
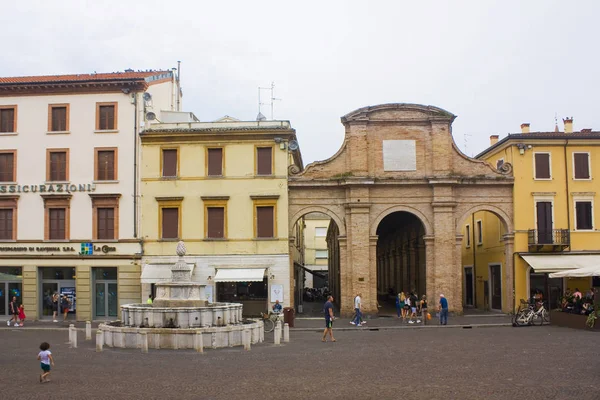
[(81, 77)]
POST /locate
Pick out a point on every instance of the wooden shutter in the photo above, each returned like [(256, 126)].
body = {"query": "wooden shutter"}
[(544, 222), (170, 223), (106, 223), (107, 117), (6, 224), (216, 222), (542, 166), (584, 214), (264, 160), (215, 162), (169, 162), (58, 166), (582, 170), (59, 119), (7, 167), (264, 222), (7, 120), (106, 165), (57, 223)]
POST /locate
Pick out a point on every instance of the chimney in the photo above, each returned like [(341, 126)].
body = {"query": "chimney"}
[(586, 130), (525, 127), (493, 139), (568, 124)]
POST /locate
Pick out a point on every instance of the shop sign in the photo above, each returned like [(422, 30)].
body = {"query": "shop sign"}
[(88, 249), (48, 188)]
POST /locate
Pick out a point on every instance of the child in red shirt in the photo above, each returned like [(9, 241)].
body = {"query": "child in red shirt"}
[(22, 314)]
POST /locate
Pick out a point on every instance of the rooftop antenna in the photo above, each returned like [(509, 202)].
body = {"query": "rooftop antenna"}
[(555, 122), (466, 140), (178, 85), (272, 99)]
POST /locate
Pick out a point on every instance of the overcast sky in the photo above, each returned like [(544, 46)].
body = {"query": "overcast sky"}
[(495, 64)]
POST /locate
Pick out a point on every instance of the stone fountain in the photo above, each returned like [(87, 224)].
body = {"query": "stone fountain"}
[(180, 311)]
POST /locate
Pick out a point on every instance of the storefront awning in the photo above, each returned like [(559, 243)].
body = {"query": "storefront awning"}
[(240, 275), (157, 273), (584, 272), (563, 262)]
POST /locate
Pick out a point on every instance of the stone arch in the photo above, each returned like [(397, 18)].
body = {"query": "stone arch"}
[(416, 212), (499, 212), (307, 210)]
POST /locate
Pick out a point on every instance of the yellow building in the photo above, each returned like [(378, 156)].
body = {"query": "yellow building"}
[(221, 187), (555, 215)]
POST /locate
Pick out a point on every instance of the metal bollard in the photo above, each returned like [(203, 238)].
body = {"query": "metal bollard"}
[(246, 338), (198, 342), (286, 333), (278, 333), (99, 340), (88, 330), (73, 337), (144, 342)]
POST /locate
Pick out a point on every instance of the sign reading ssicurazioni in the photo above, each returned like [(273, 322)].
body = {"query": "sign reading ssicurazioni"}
[(48, 188)]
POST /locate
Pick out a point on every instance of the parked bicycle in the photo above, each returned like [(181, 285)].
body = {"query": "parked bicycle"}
[(269, 320), (529, 315)]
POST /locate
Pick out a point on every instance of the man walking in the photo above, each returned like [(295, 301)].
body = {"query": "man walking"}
[(443, 309), (328, 310), (14, 311), (358, 311)]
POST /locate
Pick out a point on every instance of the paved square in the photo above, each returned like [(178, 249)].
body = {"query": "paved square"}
[(447, 363)]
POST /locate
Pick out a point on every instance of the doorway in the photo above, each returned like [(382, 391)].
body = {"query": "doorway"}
[(544, 222), (496, 286), (469, 287), (106, 300), (11, 282), (60, 281)]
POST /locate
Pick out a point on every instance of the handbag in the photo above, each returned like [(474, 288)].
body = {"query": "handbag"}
[(428, 316)]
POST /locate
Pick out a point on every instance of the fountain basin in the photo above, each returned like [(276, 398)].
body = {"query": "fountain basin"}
[(151, 316), (116, 335)]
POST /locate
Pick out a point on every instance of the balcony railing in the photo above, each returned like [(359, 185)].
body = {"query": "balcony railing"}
[(558, 239)]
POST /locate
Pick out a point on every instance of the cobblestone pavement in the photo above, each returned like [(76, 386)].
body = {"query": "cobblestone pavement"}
[(479, 363)]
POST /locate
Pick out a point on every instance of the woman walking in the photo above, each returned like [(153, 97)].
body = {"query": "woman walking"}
[(55, 307), (399, 305), (424, 313)]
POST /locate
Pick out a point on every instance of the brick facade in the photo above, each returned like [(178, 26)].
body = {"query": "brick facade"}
[(353, 188)]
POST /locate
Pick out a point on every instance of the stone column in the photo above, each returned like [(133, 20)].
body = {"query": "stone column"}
[(372, 287), (398, 263), (458, 270), (344, 289), (430, 269), (508, 273)]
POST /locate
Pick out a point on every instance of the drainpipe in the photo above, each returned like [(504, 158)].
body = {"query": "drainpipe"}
[(474, 259), (567, 189), (135, 165), (514, 266)]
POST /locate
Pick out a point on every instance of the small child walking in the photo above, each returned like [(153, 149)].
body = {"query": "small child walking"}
[(22, 314), (45, 358)]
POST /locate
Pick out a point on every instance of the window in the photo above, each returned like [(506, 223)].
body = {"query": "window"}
[(264, 222), (57, 167), (6, 224), (499, 163), (105, 211), (479, 232), (583, 210), (106, 116), (57, 216), (215, 222), (169, 163), (321, 254), (215, 162), (7, 165), (468, 235), (8, 119), (58, 117), (170, 223), (542, 166), (581, 164), (106, 164), (320, 231), (264, 160)]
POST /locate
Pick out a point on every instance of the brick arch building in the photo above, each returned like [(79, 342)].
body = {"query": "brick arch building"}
[(399, 191)]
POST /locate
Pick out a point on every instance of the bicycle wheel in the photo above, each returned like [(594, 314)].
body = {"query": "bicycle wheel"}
[(521, 318), (545, 316), (269, 325), (537, 319)]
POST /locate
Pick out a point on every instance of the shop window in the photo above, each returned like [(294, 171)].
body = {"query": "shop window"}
[(105, 164), (215, 161), (169, 163), (8, 165), (57, 166), (264, 160), (583, 210), (542, 166), (57, 217), (58, 117), (106, 116), (581, 163), (242, 291), (8, 119)]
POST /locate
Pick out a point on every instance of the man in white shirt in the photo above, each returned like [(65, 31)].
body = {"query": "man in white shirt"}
[(357, 309)]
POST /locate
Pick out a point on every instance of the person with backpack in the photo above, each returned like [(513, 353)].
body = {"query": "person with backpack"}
[(413, 308)]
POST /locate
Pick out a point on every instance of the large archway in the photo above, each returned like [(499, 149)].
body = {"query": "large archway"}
[(401, 261)]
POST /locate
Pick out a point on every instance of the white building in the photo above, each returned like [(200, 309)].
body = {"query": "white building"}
[(69, 187)]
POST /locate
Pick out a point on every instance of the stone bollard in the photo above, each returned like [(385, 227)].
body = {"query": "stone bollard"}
[(99, 340), (73, 336), (144, 342), (286, 333), (88, 330), (198, 342), (278, 333), (71, 333), (246, 338)]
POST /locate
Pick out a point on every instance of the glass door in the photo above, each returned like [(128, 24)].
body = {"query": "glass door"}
[(3, 299), (48, 290), (113, 304), (100, 300), (106, 300)]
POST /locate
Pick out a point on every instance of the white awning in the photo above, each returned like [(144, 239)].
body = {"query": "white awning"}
[(158, 273), (240, 275), (562, 262), (584, 272)]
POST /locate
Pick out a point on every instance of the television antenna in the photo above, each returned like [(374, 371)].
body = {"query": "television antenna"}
[(272, 99), (466, 137)]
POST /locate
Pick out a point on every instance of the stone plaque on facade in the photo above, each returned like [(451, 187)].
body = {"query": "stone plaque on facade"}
[(399, 155)]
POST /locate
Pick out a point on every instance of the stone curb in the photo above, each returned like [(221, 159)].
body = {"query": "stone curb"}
[(402, 327)]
